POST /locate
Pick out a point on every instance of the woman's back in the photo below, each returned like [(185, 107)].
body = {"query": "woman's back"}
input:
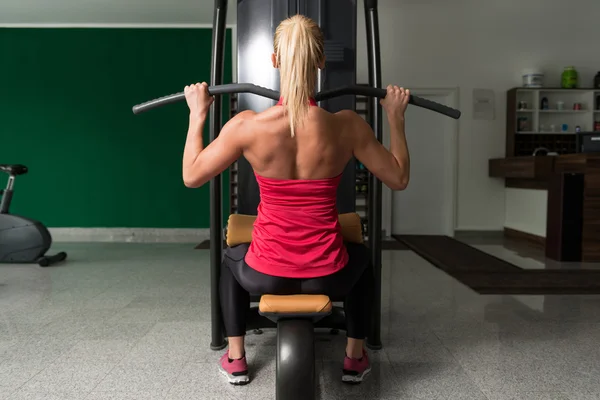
[(297, 233), (298, 152), (319, 149)]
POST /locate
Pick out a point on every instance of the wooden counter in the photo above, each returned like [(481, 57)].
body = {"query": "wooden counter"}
[(573, 184), (523, 172)]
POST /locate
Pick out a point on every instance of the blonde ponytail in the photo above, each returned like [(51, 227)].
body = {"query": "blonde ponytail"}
[(299, 50)]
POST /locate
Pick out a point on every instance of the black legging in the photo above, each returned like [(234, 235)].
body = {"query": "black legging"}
[(353, 283)]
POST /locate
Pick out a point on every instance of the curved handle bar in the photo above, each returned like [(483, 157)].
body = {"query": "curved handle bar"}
[(324, 95), (381, 93), (213, 90)]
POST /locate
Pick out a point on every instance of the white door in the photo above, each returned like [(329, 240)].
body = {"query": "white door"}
[(426, 207)]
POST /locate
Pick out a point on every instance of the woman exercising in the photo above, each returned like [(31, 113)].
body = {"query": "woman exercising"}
[(298, 152)]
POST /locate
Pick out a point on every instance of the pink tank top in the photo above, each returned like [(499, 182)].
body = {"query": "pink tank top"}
[(297, 233)]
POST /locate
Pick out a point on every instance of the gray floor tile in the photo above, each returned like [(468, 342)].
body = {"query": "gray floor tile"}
[(205, 381), (155, 349), (5, 345), (584, 395), (154, 301), (204, 354), (141, 377), (146, 308), (100, 351), (13, 331), (109, 299), (436, 380), (125, 396), (417, 347), (138, 315), (261, 346), (382, 383), (13, 375), (43, 395), (511, 395), (188, 313), (74, 322), (182, 332), (64, 377), (73, 297), (332, 348), (108, 331), (520, 376), (262, 375), (38, 350), (37, 315)]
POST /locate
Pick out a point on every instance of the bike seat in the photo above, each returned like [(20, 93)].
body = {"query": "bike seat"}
[(13, 169)]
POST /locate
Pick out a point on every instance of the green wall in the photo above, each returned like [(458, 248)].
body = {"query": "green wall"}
[(65, 112)]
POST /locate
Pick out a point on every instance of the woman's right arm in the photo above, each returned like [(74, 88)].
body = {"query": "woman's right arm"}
[(392, 167)]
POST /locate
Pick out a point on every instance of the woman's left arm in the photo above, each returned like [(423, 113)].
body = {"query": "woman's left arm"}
[(202, 164)]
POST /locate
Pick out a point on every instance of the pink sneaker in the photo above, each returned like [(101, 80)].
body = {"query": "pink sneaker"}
[(356, 370), (236, 371)]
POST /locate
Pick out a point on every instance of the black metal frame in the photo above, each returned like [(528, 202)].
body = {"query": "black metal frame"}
[(295, 371), (336, 319), (216, 208), (375, 192), (7, 194)]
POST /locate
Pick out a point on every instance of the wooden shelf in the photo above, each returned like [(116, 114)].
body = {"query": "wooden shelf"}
[(545, 133), (537, 122), (564, 111)]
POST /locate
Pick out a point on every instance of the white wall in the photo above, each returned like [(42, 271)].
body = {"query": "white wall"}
[(425, 43), (526, 210), (110, 11), (482, 44)]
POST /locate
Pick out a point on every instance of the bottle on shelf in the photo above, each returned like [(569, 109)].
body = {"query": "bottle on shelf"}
[(545, 105), (569, 78)]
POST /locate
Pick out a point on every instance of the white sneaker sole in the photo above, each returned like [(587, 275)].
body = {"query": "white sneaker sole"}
[(233, 379), (356, 378)]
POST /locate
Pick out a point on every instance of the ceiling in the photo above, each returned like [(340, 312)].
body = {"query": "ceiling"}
[(31, 12)]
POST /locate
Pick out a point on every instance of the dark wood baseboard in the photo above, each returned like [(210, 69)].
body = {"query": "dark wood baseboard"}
[(525, 238)]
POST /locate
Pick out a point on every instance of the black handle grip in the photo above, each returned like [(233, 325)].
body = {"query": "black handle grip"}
[(213, 90), (370, 4), (433, 106), (381, 93)]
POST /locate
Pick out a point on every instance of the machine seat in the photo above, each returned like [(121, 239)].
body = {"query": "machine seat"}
[(13, 169), (297, 306), (310, 306)]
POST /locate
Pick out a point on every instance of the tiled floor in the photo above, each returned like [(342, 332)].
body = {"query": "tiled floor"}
[(518, 253), (131, 321)]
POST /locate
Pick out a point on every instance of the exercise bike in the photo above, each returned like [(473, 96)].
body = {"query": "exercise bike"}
[(22, 240)]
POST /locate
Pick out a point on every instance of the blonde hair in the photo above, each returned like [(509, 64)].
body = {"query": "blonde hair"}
[(299, 50)]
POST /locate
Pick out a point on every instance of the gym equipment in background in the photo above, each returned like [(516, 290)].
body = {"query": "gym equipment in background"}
[(22, 240), (256, 21)]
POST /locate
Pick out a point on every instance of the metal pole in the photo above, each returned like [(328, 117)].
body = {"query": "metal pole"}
[(216, 213), (374, 212)]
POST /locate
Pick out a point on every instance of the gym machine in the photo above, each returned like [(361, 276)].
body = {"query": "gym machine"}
[(22, 240), (336, 90)]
